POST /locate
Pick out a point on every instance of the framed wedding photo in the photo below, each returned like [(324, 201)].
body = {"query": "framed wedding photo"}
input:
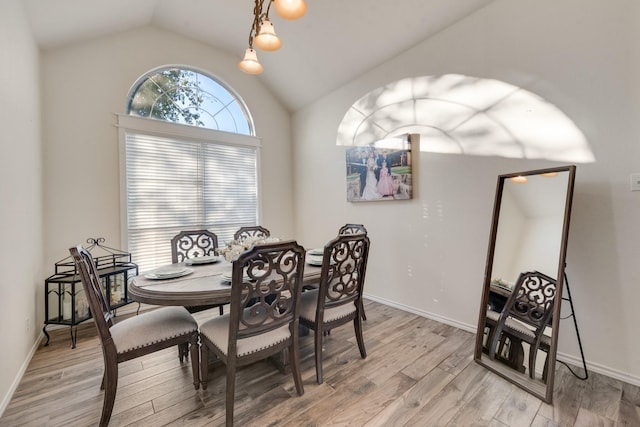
[(380, 171)]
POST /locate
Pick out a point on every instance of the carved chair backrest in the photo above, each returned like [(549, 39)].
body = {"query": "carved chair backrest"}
[(251, 231), (94, 293), (352, 229), (532, 300), (191, 244), (265, 290), (344, 266)]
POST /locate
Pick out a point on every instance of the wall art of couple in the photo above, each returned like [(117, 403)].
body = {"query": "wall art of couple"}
[(380, 171)]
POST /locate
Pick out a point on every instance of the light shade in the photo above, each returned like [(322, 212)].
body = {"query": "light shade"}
[(290, 9), (519, 179), (249, 63), (267, 38)]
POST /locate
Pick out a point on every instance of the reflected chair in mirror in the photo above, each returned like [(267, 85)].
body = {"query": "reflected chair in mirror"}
[(252, 231), (354, 229), (338, 299), (524, 318), (135, 336), (192, 244), (263, 317)]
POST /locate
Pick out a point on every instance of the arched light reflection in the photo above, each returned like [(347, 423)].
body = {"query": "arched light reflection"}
[(466, 115)]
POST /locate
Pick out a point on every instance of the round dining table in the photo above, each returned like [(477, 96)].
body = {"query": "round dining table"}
[(194, 284)]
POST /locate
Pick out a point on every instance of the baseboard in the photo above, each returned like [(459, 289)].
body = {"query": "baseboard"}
[(570, 359), (18, 378), (600, 369), (422, 313)]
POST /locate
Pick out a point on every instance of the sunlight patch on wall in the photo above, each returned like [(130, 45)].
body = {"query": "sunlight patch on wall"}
[(459, 114)]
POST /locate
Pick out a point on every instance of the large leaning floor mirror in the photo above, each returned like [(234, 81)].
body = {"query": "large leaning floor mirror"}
[(520, 309)]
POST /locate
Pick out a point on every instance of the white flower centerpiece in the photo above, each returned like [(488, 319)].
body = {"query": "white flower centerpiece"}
[(232, 250)]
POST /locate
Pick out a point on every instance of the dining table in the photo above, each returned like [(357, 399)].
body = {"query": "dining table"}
[(195, 283)]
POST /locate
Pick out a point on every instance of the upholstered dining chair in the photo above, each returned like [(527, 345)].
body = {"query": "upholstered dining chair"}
[(251, 231), (192, 244), (263, 318), (525, 317), (338, 299), (133, 337), (354, 229)]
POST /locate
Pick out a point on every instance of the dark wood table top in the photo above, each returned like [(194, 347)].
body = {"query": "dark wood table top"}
[(202, 287)]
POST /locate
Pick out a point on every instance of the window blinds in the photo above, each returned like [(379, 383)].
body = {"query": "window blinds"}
[(175, 184)]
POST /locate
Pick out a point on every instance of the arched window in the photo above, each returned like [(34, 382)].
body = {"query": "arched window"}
[(189, 160), (185, 96)]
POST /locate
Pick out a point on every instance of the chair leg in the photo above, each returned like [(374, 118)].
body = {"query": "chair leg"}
[(357, 325), (495, 338), (545, 370), (231, 390), (204, 365), (294, 362), (195, 360), (110, 381), (221, 308), (183, 351), (318, 335), (364, 316), (533, 352)]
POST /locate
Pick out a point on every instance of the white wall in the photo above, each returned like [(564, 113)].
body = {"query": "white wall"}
[(429, 254), (20, 195)]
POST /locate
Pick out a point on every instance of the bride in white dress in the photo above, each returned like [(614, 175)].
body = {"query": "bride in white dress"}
[(370, 191)]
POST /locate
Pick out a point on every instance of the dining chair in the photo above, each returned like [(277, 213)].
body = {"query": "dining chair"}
[(135, 336), (192, 244), (354, 229), (525, 317), (338, 299), (263, 317), (251, 231)]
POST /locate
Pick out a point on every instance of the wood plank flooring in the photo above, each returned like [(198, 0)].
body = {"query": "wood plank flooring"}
[(418, 373)]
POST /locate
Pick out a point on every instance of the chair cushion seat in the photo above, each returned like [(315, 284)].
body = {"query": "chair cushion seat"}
[(309, 303), (514, 325), (152, 327), (216, 330)]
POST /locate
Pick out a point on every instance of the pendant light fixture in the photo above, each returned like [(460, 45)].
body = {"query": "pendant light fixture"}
[(263, 34)]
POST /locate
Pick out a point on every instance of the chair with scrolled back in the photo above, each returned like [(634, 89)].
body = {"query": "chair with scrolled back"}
[(251, 231), (193, 244), (338, 299), (526, 316), (132, 337), (354, 229), (263, 315)]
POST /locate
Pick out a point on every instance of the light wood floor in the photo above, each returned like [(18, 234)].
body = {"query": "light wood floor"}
[(418, 373)]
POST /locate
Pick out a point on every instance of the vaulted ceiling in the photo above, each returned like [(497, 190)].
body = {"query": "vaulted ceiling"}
[(336, 41)]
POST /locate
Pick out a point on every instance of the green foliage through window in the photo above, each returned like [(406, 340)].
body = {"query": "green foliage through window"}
[(185, 96)]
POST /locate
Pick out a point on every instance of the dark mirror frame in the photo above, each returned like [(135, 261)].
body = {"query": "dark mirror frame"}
[(538, 388)]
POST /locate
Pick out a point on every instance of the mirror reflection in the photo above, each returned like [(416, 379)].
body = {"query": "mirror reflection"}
[(523, 282)]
